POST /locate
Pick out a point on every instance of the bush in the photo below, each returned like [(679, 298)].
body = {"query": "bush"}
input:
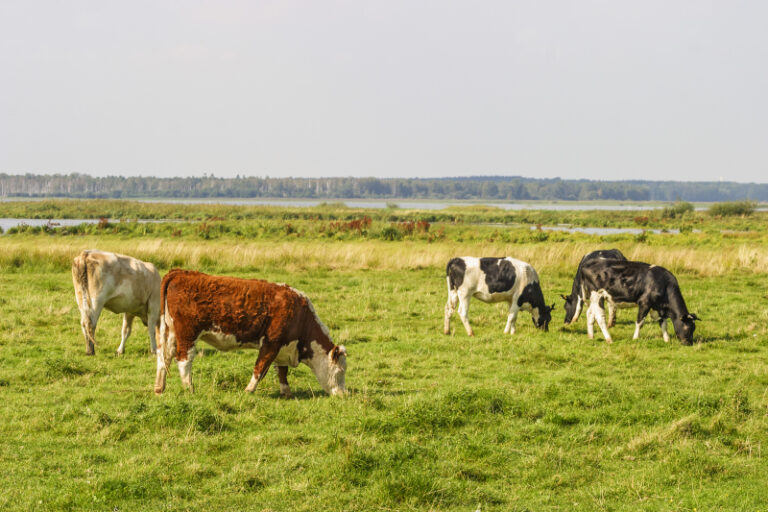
[(733, 208), (391, 233), (678, 209)]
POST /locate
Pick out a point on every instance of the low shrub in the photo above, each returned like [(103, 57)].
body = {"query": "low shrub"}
[(733, 208)]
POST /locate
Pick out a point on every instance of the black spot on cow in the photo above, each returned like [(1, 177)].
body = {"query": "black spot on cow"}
[(499, 274), (455, 271)]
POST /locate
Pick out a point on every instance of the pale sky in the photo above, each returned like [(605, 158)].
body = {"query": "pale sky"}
[(661, 90)]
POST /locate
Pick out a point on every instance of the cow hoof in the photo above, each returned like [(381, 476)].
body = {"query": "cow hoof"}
[(608, 341), (287, 395), (159, 391)]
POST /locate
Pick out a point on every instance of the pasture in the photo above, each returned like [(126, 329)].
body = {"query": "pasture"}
[(536, 421)]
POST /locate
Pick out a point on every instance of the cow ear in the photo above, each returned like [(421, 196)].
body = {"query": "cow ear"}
[(337, 352), (564, 297), (553, 306), (692, 316)]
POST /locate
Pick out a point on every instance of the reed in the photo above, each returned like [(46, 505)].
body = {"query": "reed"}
[(55, 254)]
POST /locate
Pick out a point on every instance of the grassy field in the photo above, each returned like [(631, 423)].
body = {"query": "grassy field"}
[(537, 421)]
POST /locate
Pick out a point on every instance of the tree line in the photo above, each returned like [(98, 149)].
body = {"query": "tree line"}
[(496, 188)]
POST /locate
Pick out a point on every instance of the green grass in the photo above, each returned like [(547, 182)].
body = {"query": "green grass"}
[(537, 421)]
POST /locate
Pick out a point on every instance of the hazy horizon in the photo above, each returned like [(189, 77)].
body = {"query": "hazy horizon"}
[(591, 90)]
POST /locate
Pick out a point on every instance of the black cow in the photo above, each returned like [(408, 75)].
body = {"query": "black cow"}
[(495, 280), (654, 289), (574, 302)]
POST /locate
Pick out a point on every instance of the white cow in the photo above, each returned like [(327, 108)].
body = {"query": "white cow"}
[(120, 284)]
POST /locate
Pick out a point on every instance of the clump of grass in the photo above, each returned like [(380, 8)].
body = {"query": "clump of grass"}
[(677, 209), (733, 209)]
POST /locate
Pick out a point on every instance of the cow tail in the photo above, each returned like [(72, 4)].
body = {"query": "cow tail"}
[(80, 275), (169, 350)]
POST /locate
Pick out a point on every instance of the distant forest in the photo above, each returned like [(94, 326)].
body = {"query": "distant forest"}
[(496, 188)]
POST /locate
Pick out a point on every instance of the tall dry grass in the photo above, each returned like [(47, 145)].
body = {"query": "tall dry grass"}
[(57, 254)]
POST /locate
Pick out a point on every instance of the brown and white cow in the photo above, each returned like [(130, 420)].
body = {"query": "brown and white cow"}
[(120, 284), (231, 313)]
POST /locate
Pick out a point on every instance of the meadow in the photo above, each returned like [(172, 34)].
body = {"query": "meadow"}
[(530, 422)]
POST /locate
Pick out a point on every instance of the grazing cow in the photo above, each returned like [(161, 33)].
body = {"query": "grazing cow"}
[(574, 302), (120, 284), (495, 280), (654, 289), (231, 313)]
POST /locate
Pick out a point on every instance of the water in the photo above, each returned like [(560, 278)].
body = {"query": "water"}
[(609, 231), (6, 223)]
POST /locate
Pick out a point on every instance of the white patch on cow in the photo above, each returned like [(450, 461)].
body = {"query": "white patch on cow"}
[(288, 355), (251, 387), (598, 313), (664, 332), (638, 325), (225, 342), (329, 374), (579, 307), (185, 370)]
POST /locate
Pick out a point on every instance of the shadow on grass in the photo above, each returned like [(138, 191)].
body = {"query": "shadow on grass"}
[(309, 394)]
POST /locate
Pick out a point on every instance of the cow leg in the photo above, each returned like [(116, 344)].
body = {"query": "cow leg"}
[(590, 322), (161, 373), (611, 314), (450, 307), (464, 313), (185, 370), (126, 331), (165, 353), (511, 318), (267, 353), (282, 375), (642, 312), (88, 321), (662, 324), (599, 314)]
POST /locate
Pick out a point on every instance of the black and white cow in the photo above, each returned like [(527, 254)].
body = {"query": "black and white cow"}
[(495, 280), (574, 302), (654, 289)]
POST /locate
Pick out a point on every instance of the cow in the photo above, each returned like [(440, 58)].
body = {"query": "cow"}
[(230, 313), (120, 284), (574, 302), (495, 280), (654, 289)]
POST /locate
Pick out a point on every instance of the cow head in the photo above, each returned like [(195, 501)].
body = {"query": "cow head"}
[(573, 306), (684, 327), (337, 370), (329, 367), (544, 317)]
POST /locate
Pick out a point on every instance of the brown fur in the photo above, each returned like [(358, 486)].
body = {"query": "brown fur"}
[(254, 311)]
